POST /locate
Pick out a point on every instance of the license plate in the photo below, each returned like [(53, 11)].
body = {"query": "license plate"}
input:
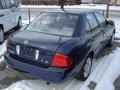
[(28, 53)]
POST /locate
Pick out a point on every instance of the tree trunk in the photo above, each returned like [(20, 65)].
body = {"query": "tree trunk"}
[(107, 12), (115, 1), (93, 1)]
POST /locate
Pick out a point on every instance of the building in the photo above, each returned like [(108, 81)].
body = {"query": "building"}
[(39, 2), (115, 2), (101, 1), (48, 2), (94, 1), (68, 2)]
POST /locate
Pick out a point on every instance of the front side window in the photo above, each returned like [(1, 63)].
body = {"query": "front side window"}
[(100, 17), (54, 23), (92, 20)]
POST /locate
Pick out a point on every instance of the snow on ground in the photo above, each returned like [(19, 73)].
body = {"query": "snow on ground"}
[(82, 6), (105, 71), (117, 23), (2, 48), (112, 72)]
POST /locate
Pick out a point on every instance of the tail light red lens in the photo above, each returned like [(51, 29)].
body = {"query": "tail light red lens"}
[(61, 61)]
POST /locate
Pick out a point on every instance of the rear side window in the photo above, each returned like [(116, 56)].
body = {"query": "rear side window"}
[(3, 4), (92, 21), (100, 17), (88, 29)]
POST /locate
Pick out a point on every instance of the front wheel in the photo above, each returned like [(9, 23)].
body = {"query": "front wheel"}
[(86, 69), (1, 36), (110, 44)]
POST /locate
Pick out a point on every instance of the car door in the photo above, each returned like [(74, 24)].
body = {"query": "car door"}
[(15, 12), (4, 12), (1, 15), (8, 15), (96, 36), (105, 27)]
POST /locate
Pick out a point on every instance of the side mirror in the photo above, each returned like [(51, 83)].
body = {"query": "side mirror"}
[(111, 22)]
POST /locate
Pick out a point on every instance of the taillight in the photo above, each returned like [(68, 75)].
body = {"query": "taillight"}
[(18, 49), (9, 47), (62, 61)]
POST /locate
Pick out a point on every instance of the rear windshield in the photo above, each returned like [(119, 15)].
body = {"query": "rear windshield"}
[(54, 23)]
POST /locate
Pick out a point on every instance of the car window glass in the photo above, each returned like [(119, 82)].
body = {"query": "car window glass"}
[(8, 4), (3, 4), (54, 23), (100, 18), (88, 29), (0, 5), (92, 20)]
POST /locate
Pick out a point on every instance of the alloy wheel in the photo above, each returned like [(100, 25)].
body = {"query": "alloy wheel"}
[(87, 67)]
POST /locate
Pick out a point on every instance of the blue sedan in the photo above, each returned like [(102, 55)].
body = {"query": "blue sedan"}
[(60, 45)]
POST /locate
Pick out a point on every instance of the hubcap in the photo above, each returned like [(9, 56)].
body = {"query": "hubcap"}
[(87, 67), (1, 36)]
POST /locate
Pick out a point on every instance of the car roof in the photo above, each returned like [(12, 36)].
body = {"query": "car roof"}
[(71, 11)]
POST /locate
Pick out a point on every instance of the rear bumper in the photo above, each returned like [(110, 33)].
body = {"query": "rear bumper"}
[(50, 74)]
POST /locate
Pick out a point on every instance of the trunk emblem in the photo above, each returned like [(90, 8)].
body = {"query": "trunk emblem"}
[(26, 42)]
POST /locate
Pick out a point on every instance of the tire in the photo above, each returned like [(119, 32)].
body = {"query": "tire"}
[(86, 69), (110, 44), (1, 36)]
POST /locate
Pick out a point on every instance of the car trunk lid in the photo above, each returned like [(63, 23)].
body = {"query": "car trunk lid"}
[(47, 45)]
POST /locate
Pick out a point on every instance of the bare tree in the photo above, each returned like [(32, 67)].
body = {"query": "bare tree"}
[(78, 2), (93, 1), (115, 1), (108, 5)]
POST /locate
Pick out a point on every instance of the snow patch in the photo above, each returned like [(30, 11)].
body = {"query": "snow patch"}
[(82, 6)]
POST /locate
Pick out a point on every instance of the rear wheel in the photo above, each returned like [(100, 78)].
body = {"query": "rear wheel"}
[(1, 36), (86, 69)]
